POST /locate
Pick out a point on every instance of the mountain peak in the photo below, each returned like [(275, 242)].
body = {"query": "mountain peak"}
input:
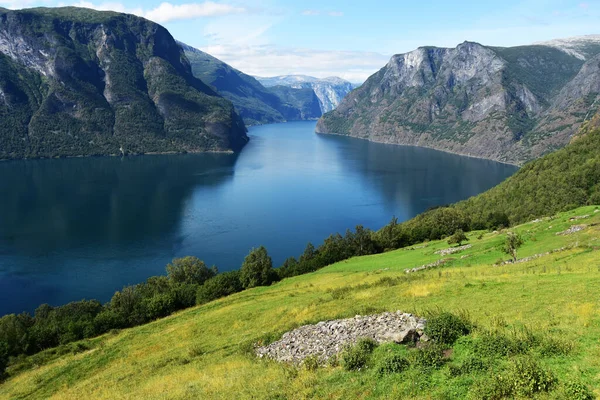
[(582, 47)]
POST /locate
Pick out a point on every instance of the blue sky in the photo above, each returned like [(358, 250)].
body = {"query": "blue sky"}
[(352, 38)]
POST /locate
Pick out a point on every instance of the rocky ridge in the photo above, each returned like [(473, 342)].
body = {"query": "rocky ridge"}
[(79, 82), (506, 104), (326, 339), (330, 91)]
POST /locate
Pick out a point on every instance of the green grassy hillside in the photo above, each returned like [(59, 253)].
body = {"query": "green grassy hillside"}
[(203, 352)]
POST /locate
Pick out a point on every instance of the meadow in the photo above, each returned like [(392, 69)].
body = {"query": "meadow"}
[(206, 351)]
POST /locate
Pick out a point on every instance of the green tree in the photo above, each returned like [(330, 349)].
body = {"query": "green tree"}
[(189, 270), (3, 357), (256, 268), (458, 237), (512, 243), (220, 286)]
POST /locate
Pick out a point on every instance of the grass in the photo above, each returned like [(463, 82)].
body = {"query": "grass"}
[(203, 352)]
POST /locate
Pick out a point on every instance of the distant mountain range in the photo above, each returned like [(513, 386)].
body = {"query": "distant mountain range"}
[(78, 82), (507, 104), (330, 91), (268, 100)]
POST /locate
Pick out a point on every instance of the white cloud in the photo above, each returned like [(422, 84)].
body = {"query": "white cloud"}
[(167, 12), (265, 60), (313, 13)]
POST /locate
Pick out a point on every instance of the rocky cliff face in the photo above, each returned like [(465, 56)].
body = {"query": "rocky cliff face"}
[(330, 91), (505, 104), (256, 103), (80, 82)]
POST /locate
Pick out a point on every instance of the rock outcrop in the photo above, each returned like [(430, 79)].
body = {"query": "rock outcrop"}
[(505, 104), (326, 339), (330, 91)]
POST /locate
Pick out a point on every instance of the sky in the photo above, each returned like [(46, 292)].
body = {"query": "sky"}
[(351, 39)]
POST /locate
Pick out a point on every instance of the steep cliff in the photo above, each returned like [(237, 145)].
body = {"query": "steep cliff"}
[(506, 104), (79, 82), (330, 91)]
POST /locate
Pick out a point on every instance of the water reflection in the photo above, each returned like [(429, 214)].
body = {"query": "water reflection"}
[(83, 228)]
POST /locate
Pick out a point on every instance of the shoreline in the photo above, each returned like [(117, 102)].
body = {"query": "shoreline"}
[(152, 153), (424, 147)]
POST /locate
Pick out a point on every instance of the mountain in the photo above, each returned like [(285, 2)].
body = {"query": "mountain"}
[(77, 82), (253, 101), (330, 91), (507, 104), (298, 103)]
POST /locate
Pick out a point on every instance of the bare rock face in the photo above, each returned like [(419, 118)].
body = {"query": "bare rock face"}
[(78, 82), (326, 339), (505, 104)]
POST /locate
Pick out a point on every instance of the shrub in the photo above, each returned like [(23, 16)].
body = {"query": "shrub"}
[(355, 358), (498, 345), (469, 366), (392, 364), (220, 286), (3, 358), (430, 356), (457, 238), (549, 347), (492, 388), (311, 363), (446, 328), (575, 390), (529, 378)]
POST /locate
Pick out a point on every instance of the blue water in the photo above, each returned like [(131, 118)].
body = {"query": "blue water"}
[(83, 228)]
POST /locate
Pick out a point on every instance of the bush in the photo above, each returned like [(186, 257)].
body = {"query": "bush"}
[(356, 357), (471, 365), (3, 358), (392, 364), (220, 286), (575, 390), (457, 238), (492, 388), (430, 356), (494, 345), (529, 378), (311, 363), (446, 328)]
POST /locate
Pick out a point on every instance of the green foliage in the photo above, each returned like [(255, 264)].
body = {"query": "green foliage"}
[(256, 268), (355, 358), (392, 364), (311, 363), (528, 377), (152, 104), (190, 270), (3, 358), (575, 390), (492, 345), (445, 328), (513, 242), (457, 238), (429, 356), (219, 286), (472, 365)]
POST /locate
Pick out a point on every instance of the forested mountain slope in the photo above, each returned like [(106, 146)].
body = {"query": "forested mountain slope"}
[(77, 82)]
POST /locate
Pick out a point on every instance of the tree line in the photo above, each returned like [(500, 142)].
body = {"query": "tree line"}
[(560, 181)]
